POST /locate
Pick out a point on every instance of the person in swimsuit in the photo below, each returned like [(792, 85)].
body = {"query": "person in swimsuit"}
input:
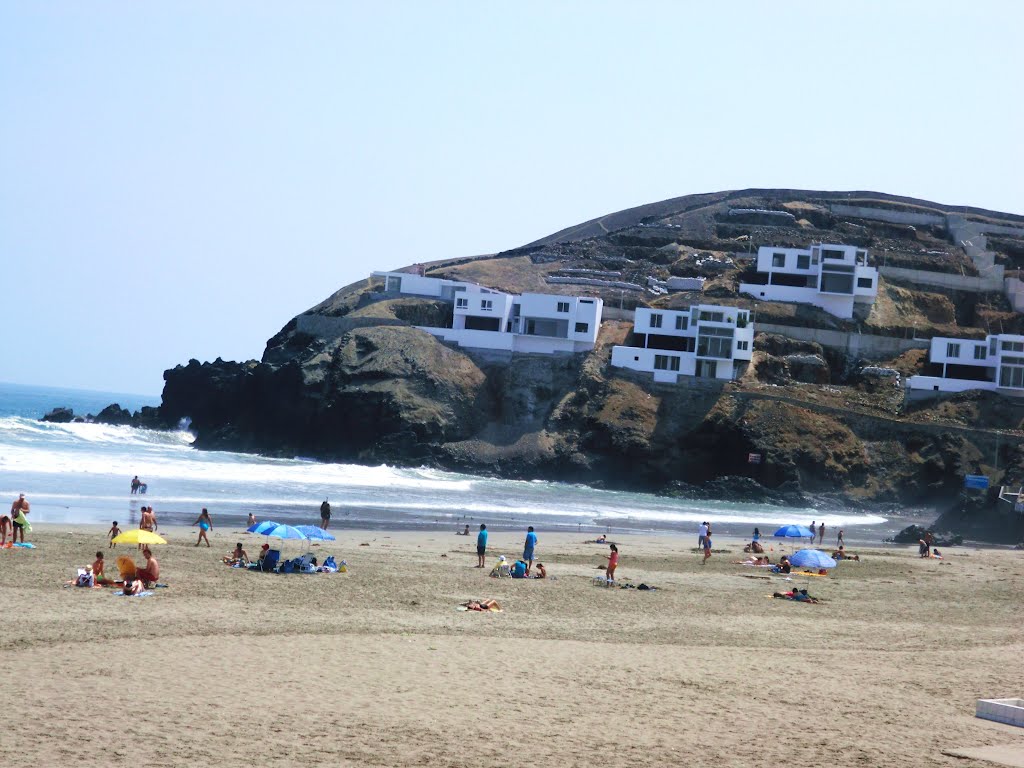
[(238, 556), (19, 509), (251, 521), (132, 587), (613, 563), (707, 548), (135, 484), (5, 527), (205, 524), (112, 534), (150, 572), (325, 514)]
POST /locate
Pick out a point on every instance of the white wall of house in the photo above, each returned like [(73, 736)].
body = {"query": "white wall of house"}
[(822, 265), (569, 317), (999, 356), (417, 285), (492, 306), (711, 327)]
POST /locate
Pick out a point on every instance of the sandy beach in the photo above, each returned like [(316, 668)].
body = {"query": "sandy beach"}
[(377, 667)]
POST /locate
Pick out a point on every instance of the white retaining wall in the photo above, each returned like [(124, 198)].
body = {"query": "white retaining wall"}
[(883, 214), (860, 345), (990, 282)]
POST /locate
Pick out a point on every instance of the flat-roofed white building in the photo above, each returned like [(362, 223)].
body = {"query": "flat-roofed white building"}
[(705, 341), (434, 287), (533, 322), (832, 277), (994, 363)]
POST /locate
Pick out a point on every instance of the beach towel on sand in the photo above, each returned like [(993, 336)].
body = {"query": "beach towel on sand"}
[(141, 594)]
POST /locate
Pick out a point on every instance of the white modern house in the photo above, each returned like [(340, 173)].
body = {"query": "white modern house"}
[(533, 322), (705, 341), (487, 319), (432, 287), (832, 277), (994, 363)]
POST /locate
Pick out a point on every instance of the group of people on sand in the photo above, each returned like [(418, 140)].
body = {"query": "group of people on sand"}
[(134, 581), (16, 523), (528, 548)]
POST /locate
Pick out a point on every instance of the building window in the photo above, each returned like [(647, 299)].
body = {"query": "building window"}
[(831, 253), (682, 322), (742, 345), (803, 261), (1013, 346), (486, 304), (666, 363), (865, 282), (582, 327), (712, 317), (462, 303), (563, 306), (778, 259), (952, 350), (655, 320), (862, 257), (1011, 376), (980, 353), (714, 346)]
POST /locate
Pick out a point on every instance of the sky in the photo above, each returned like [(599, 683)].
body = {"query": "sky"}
[(180, 179)]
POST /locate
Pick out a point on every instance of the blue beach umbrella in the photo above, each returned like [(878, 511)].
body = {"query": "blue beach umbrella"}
[(794, 532), (282, 531), (812, 558), (262, 528), (315, 532)]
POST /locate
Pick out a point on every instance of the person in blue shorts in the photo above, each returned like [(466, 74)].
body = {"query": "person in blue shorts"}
[(481, 546), (531, 542)]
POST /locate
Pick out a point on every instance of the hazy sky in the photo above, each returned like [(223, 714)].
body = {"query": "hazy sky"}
[(180, 179)]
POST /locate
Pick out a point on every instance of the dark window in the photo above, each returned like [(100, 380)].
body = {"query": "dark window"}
[(714, 346), (655, 321), (582, 327), (1013, 346), (474, 323), (682, 323), (666, 363), (563, 306), (486, 304), (742, 345), (980, 353), (952, 350), (462, 303), (778, 259), (829, 253), (803, 261), (865, 282), (712, 317), (1011, 376)]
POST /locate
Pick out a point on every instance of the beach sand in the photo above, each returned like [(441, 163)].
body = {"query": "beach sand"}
[(377, 667)]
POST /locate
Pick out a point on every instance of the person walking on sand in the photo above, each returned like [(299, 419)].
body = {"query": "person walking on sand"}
[(814, 524), (707, 549), (325, 514), (205, 524), (528, 547), (821, 533), (112, 534), (613, 562), (839, 540), (481, 546), (19, 522), (702, 533), (251, 521)]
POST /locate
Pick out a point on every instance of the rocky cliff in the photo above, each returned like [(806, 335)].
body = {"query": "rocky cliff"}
[(352, 379)]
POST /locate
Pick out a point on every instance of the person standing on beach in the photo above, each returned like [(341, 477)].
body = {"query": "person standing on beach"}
[(707, 548), (531, 543), (702, 533), (821, 533), (839, 540), (147, 522), (19, 509), (135, 484), (613, 562), (481, 546), (325, 515), (205, 524), (813, 529)]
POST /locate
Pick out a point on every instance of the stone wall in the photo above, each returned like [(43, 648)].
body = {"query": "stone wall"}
[(858, 345)]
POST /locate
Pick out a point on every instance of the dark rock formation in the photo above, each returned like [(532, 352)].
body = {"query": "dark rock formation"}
[(60, 415), (113, 414)]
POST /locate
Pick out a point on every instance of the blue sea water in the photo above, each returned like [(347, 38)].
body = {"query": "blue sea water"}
[(81, 473)]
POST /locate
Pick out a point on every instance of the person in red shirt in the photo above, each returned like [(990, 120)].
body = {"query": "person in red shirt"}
[(613, 562)]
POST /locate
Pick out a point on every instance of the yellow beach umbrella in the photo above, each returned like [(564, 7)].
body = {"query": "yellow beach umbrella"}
[(138, 536)]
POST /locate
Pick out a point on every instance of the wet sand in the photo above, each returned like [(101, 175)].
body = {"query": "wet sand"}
[(377, 667)]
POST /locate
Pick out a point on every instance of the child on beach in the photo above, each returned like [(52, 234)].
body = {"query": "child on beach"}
[(205, 524), (707, 549), (112, 534), (239, 556), (613, 562)]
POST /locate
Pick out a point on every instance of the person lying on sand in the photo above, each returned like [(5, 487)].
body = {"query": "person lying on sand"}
[(800, 595), (761, 560), (482, 605), (842, 554), (602, 539)]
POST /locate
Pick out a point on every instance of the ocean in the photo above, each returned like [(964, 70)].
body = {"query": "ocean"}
[(81, 473)]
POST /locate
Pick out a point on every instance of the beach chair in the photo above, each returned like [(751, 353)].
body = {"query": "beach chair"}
[(269, 563)]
